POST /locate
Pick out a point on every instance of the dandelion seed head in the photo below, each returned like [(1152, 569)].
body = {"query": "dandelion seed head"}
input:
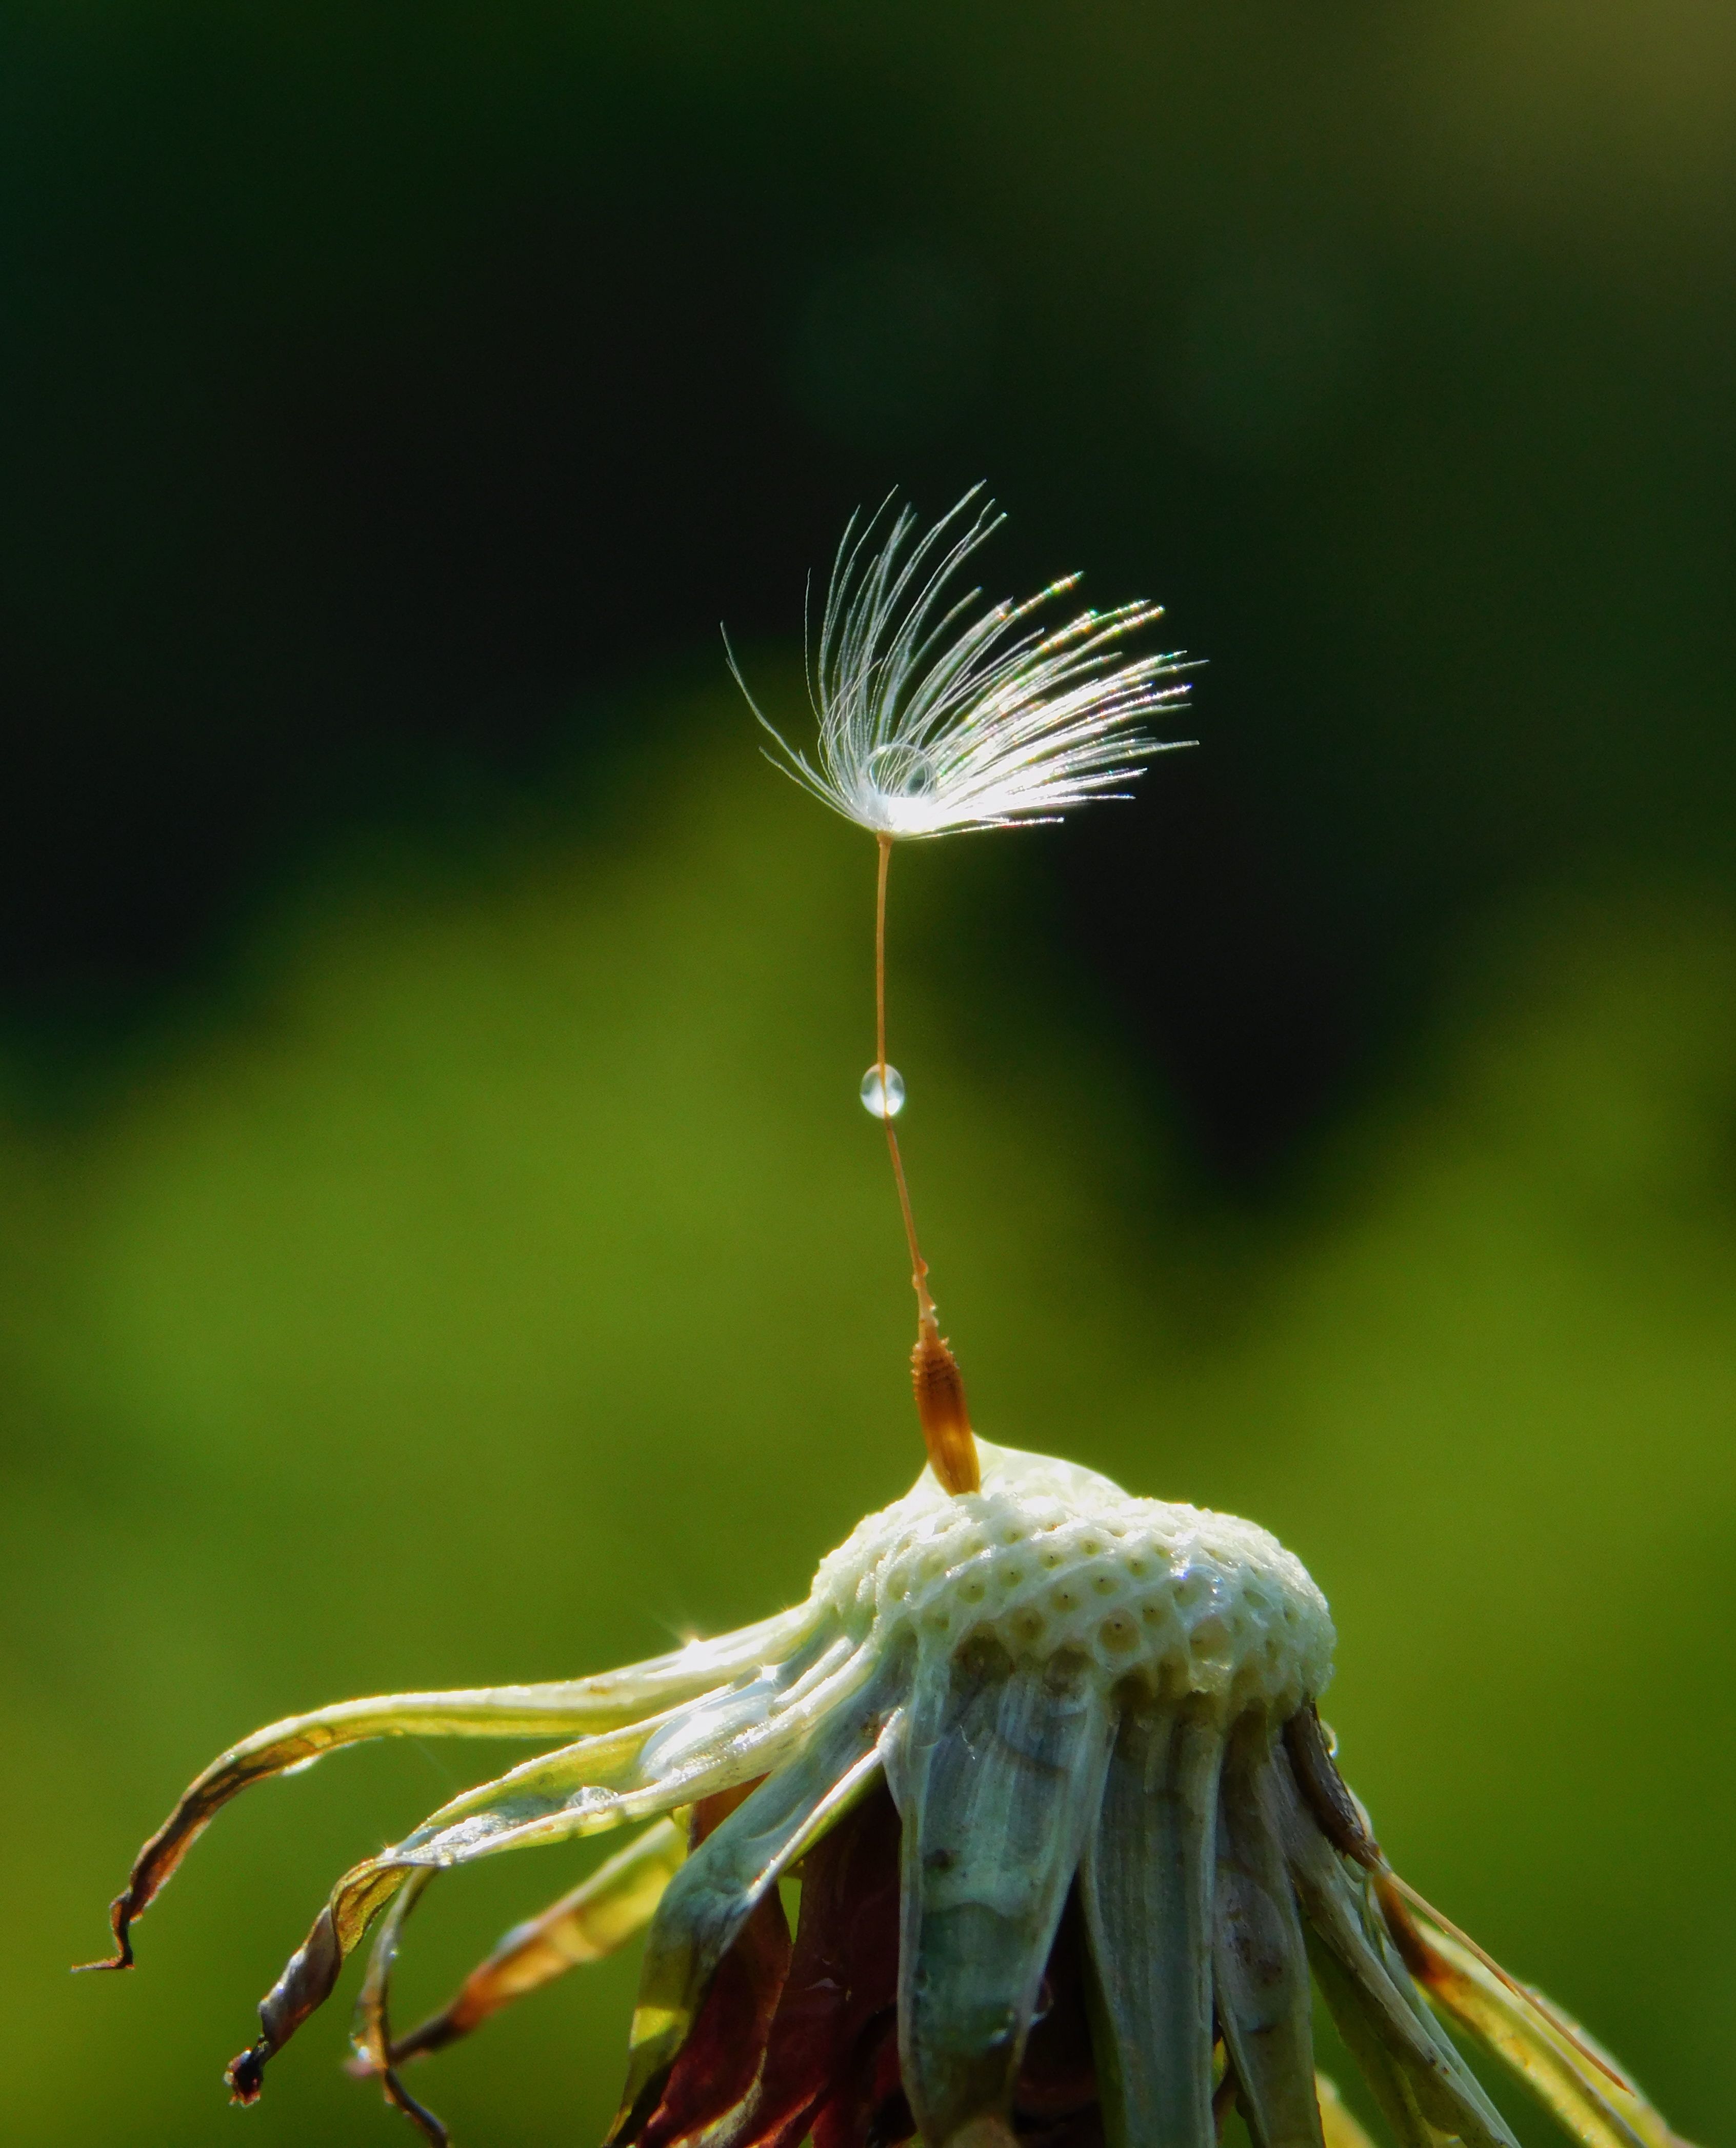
[(993, 1705), (937, 713), (1049, 1561)]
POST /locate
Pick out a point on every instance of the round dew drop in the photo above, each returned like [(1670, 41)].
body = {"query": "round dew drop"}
[(882, 1104), (902, 771)]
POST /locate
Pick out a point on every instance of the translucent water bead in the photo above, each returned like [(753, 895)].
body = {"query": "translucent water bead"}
[(902, 771), (883, 1104)]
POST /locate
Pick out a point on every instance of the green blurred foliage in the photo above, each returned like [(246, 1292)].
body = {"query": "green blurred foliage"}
[(513, 1282)]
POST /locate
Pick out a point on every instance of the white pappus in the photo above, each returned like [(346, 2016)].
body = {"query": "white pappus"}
[(933, 720)]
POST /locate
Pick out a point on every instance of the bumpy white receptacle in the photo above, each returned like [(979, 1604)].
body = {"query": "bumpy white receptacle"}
[(1049, 1559)]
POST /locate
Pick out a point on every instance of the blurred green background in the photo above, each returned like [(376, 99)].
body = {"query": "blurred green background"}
[(443, 1245)]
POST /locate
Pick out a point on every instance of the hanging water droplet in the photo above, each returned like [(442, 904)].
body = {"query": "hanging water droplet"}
[(900, 772), (886, 1104)]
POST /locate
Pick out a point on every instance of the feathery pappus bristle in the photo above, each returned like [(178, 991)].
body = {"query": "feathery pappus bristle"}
[(933, 719)]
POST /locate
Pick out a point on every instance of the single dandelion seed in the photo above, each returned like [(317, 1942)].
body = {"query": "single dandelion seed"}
[(937, 714)]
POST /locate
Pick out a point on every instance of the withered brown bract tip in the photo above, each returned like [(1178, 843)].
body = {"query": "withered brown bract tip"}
[(1328, 1792), (245, 2074), (434, 2034), (940, 1391), (630, 2119), (419, 2115), (120, 1921)]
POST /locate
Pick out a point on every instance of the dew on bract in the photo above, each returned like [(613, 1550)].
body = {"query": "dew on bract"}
[(882, 1104)]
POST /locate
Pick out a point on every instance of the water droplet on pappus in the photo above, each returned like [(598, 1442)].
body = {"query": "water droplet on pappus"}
[(880, 1104), (902, 771)]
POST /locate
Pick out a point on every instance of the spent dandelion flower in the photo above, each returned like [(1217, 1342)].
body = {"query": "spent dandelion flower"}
[(1072, 1843), (1074, 1850)]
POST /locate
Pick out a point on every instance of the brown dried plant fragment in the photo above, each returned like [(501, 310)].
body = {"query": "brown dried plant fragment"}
[(588, 1923), (1575, 2080), (372, 2031), (558, 1710)]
